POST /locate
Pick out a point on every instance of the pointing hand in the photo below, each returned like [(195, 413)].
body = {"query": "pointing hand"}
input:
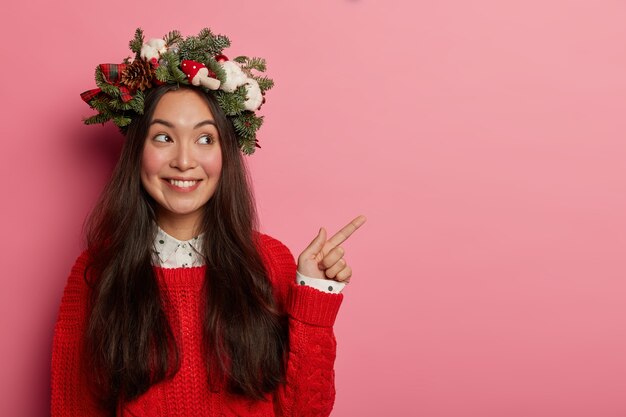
[(324, 258)]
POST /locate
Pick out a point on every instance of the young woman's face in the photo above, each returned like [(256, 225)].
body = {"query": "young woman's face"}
[(182, 158)]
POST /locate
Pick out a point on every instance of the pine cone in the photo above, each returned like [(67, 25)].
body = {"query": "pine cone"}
[(138, 75)]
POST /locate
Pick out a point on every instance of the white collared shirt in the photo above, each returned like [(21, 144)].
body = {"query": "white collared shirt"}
[(169, 252)]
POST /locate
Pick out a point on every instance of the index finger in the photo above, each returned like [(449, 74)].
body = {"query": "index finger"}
[(339, 237)]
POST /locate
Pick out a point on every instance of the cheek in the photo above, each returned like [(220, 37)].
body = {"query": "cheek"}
[(212, 164), (151, 163)]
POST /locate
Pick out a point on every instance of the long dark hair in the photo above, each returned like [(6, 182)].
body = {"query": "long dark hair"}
[(129, 343)]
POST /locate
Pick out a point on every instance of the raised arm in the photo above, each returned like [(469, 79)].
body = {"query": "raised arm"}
[(309, 390), (310, 379)]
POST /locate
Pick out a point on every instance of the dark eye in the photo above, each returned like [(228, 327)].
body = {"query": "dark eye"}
[(162, 137), (206, 140)]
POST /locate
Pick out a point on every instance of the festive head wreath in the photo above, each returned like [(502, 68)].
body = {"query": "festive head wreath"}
[(195, 60)]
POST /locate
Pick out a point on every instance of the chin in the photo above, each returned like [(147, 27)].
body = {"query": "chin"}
[(187, 211), (183, 210)]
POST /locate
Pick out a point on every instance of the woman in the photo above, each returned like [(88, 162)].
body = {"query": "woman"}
[(178, 307)]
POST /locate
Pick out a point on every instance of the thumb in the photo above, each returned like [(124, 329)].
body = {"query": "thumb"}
[(316, 244)]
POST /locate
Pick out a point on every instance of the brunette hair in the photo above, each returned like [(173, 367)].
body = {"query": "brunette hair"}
[(129, 343)]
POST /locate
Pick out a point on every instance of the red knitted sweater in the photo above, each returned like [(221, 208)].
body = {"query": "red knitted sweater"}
[(309, 389)]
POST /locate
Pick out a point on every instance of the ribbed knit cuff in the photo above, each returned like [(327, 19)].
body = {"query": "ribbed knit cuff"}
[(311, 306)]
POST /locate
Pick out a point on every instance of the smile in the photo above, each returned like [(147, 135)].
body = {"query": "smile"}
[(183, 184)]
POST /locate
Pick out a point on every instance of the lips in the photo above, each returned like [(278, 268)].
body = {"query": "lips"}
[(182, 184)]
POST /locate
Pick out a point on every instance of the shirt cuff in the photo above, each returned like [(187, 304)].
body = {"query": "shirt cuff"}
[(324, 285)]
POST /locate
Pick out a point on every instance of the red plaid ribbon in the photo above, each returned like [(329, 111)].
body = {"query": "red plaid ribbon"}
[(113, 75)]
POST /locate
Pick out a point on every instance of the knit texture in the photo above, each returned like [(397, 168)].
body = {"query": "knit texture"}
[(309, 390)]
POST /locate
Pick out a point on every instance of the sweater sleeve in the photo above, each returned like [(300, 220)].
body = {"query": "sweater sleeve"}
[(309, 390), (70, 393)]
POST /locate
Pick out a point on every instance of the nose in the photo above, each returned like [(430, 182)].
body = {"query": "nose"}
[(183, 157)]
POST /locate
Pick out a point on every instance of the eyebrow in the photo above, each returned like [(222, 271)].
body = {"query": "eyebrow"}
[(171, 125)]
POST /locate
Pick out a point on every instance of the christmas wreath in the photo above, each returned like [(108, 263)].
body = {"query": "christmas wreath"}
[(238, 84)]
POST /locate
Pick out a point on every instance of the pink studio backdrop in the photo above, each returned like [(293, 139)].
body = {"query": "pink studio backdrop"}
[(483, 139)]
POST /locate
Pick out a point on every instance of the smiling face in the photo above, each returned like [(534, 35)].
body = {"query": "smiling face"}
[(181, 162)]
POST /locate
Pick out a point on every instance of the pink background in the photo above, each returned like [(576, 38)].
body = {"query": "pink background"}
[(483, 139)]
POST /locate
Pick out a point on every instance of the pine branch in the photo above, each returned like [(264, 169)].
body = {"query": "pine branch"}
[(200, 48), (97, 118), (137, 42), (248, 146), (231, 103), (170, 72), (265, 83), (162, 74), (250, 64), (138, 102), (192, 48), (205, 33), (122, 121), (172, 38), (217, 69), (214, 44), (177, 75), (247, 124), (218, 44), (256, 64), (118, 105), (107, 88), (101, 104)]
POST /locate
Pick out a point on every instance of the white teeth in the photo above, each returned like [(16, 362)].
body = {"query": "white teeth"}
[(182, 184)]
